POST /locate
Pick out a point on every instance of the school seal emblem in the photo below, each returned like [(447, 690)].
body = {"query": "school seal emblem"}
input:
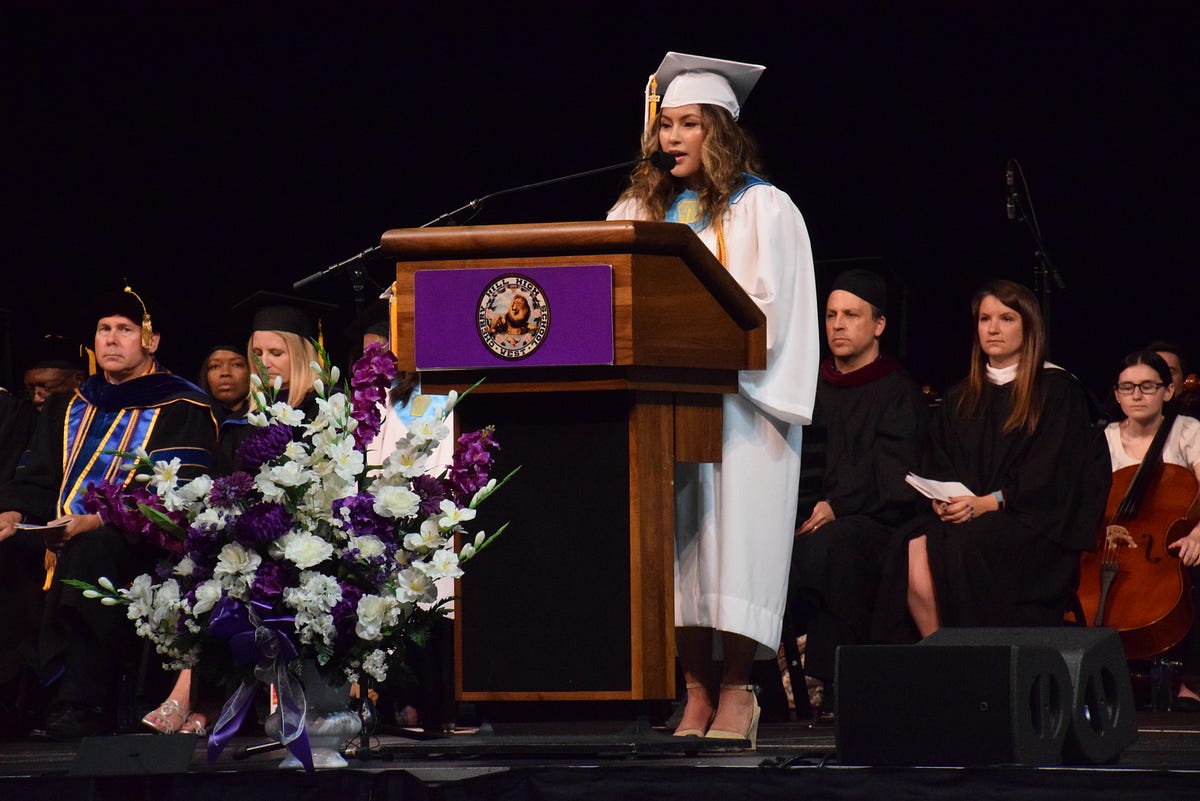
[(513, 317)]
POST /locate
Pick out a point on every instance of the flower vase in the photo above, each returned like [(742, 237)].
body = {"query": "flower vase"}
[(329, 720)]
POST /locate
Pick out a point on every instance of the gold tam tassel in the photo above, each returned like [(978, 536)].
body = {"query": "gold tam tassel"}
[(652, 99), (147, 326)]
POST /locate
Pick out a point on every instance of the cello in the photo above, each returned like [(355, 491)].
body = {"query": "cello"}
[(1132, 582)]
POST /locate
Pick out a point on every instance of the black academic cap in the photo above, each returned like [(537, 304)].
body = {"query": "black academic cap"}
[(375, 318), (128, 303), (273, 311), (56, 352), (865, 284)]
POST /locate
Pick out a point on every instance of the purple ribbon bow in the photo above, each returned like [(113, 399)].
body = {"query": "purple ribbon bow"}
[(260, 640)]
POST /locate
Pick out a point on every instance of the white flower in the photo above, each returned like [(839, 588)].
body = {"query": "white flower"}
[(207, 595), (368, 545), (140, 596), (166, 602), (443, 564), (166, 476), (452, 515), (306, 550), (346, 460), (429, 538), (235, 569), (407, 461), (214, 518), (375, 613), (414, 586), (184, 567), (196, 490), (283, 413), (375, 664), (427, 429), (289, 474), (396, 502)]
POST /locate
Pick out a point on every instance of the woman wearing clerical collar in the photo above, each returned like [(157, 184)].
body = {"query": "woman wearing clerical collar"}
[(1020, 433)]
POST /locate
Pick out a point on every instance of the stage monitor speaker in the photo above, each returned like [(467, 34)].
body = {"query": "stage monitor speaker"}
[(1101, 710), (948, 705), (133, 755)]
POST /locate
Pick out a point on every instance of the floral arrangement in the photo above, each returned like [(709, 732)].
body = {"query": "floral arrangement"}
[(308, 545)]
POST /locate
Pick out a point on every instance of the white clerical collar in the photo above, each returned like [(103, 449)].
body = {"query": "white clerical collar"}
[(1002, 375)]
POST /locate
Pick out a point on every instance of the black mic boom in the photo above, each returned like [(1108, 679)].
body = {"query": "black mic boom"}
[(662, 160)]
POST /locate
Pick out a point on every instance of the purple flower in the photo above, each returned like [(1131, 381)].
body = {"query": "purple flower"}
[(263, 523), (370, 379), (263, 445), (232, 491), (473, 458), (270, 580), (119, 507), (431, 491), (362, 517)]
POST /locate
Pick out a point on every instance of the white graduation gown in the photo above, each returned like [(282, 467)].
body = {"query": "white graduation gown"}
[(734, 521)]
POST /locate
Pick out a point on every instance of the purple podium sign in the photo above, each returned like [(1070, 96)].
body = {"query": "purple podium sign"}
[(513, 317)]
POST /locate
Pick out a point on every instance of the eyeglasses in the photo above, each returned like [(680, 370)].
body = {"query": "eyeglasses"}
[(1147, 387)]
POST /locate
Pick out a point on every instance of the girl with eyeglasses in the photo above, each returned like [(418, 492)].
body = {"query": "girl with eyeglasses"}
[(1143, 387), (1151, 430)]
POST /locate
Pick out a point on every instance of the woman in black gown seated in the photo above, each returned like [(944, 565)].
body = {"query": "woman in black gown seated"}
[(1020, 434)]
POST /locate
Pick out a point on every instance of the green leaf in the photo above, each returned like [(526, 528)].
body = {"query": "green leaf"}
[(159, 519)]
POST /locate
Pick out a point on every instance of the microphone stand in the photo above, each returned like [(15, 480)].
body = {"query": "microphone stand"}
[(1046, 277), (658, 159)]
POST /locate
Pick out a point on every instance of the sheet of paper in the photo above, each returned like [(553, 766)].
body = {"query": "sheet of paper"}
[(37, 527), (937, 490)]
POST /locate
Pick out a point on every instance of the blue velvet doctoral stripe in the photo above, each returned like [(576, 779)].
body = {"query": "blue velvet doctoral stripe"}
[(104, 419)]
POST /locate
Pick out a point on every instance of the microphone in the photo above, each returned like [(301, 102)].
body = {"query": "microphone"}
[(660, 159)]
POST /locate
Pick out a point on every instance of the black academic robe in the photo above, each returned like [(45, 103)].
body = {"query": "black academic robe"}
[(17, 417), (1018, 566), (874, 423), (81, 642)]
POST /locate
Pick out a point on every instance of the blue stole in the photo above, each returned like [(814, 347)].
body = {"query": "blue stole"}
[(686, 206)]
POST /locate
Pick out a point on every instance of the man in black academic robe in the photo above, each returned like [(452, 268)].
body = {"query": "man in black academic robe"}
[(873, 417), (131, 404)]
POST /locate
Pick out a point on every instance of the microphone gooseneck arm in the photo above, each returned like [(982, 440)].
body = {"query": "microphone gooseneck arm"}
[(658, 159), (661, 160)]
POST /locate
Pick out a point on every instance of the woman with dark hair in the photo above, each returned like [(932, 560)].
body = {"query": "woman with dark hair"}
[(1019, 433), (733, 520), (1152, 430), (225, 377)]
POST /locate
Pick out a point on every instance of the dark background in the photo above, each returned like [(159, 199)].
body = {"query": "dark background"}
[(206, 151)]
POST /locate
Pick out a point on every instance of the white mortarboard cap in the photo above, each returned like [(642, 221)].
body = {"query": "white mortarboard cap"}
[(698, 79)]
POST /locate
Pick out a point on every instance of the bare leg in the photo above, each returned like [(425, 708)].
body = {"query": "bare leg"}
[(695, 658), (735, 707), (922, 602), (172, 713)]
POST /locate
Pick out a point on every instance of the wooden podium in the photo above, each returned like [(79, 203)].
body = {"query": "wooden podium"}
[(639, 332)]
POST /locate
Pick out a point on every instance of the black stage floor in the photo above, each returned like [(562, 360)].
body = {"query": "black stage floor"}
[(559, 761)]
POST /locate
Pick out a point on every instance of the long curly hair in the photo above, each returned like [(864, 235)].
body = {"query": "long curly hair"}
[(728, 152), (1027, 406)]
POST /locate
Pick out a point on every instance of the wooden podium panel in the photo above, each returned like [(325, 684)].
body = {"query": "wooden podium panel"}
[(575, 602)]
